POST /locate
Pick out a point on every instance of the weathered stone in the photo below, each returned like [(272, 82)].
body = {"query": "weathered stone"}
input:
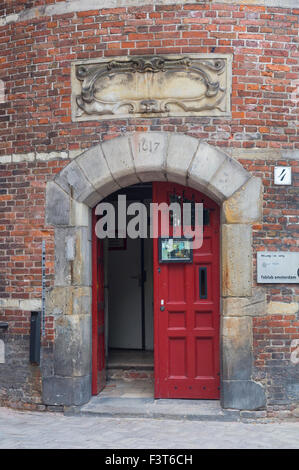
[(68, 301), (9, 303), (236, 260), (57, 205), (253, 414), (294, 359), (66, 390), (73, 181), (80, 214), (77, 272), (242, 395), (75, 359), (282, 308), (31, 304), (82, 262), (149, 154), (236, 348), (94, 165), (120, 161), (228, 179), (204, 165), (51, 156), (245, 206), (181, 150), (27, 157), (5, 158), (157, 86), (246, 306)]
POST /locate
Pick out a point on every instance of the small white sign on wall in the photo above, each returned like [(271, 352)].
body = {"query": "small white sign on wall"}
[(278, 267), (283, 175), (2, 352)]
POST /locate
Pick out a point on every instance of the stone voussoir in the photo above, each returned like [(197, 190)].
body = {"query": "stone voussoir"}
[(245, 205), (120, 161), (181, 151), (149, 154)]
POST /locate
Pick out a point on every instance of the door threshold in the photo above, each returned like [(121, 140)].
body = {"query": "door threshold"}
[(117, 407)]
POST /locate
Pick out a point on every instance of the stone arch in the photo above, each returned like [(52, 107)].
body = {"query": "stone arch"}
[(121, 162)]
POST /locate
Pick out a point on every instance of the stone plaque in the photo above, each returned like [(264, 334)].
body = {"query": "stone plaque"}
[(277, 267), (152, 86)]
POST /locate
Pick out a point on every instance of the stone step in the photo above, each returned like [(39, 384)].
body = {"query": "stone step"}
[(130, 374), (199, 410)]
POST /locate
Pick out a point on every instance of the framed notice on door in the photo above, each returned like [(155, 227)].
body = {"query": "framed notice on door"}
[(175, 250)]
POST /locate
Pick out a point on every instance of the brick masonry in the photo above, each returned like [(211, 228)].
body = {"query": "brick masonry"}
[(35, 122)]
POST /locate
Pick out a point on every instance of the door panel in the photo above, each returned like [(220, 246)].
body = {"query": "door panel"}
[(187, 329)]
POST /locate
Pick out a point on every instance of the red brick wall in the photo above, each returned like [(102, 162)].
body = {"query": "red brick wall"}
[(36, 56), (35, 61)]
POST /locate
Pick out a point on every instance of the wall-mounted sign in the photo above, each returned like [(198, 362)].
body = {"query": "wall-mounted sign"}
[(175, 250), (283, 175), (277, 267)]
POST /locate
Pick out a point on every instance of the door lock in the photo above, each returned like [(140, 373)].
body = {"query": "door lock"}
[(162, 308)]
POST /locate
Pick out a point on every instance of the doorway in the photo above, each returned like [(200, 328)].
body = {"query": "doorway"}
[(160, 321), (128, 294)]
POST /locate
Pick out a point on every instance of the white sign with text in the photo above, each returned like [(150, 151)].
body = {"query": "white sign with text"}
[(278, 267)]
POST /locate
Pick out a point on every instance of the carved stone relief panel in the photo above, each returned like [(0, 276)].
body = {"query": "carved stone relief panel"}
[(152, 86)]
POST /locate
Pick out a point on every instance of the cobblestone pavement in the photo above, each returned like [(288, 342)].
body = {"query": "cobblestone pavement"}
[(33, 430)]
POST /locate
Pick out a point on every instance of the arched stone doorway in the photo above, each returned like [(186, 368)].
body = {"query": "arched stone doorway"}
[(125, 161)]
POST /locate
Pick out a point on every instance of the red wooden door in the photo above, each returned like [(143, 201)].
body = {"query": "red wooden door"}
[(98, 313), (187, 329)]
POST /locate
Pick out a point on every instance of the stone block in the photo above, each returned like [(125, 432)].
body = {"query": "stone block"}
[(236, 260), (57, 205), (68, 301), (149, 154), (242, 395), (245, 206), (120, 161), (229, 177), (236, 348), (80, 214), (24, 157), (282, 308), (203, 167), (72, 347), (181, 150), (77, 272), (66, 390), (94, 165), (74, 182), (254, 306), (82, 271), (31, 305)]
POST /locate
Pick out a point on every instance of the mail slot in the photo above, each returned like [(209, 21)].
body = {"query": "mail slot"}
[(35, 323)]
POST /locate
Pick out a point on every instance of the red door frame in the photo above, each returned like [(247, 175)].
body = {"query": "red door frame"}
[(98, 313)]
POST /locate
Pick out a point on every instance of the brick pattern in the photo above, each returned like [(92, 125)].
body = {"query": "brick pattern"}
[(36, 57), (35, 64)]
